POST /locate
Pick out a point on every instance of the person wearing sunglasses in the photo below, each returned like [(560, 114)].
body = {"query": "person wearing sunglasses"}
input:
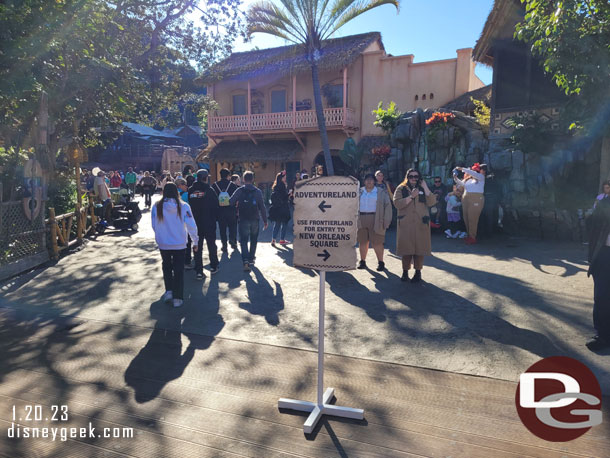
[(413, 199)]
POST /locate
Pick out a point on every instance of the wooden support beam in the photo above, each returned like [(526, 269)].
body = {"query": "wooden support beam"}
[(249, 102), (298, 140), (344, 96), (294, 102), (53, 227), (252, 137)]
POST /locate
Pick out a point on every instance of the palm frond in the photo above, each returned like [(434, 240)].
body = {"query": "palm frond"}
[(265, 17), (356, 8)]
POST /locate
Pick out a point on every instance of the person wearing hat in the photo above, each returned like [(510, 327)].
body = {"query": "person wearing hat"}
[(374, 219), (474, 199), (204, 203)]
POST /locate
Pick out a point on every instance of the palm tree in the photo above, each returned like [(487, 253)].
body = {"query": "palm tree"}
[(310, 22)]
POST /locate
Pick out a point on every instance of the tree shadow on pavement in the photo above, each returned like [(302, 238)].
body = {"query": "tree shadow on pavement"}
[(162, 360), (263, 299), (348, 288)]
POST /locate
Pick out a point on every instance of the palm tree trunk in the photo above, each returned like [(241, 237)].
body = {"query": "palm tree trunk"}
[(317, 96)]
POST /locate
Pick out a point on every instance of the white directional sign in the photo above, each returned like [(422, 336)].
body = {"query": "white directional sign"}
[(326, 223)]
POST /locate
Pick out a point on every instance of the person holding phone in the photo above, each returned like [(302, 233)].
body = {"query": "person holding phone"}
[(413, 199), (474, 199)]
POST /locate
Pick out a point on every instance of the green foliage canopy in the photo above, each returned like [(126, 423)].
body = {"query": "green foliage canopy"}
[(572, 37), (104, 62)]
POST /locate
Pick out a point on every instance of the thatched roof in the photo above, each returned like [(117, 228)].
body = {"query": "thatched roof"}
[(248, 151), (465, 105), (500, 24), (336, 53)]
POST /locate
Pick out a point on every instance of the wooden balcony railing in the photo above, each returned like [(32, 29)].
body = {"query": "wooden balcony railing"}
[(288, 120)]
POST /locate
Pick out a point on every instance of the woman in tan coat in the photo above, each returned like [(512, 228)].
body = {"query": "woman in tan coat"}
[(412, 199)]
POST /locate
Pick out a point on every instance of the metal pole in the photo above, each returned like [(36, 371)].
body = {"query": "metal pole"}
[(321, 339)]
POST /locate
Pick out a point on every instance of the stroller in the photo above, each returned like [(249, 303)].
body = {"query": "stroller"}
[(123, 215)]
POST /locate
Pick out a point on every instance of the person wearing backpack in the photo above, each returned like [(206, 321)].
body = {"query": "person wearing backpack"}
[(279, 212), (227, 216), (204, 202), (250, 208)]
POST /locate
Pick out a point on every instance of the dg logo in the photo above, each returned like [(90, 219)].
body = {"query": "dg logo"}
[(559, 399)]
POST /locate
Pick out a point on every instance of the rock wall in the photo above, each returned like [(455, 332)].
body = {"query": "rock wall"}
[(529, 187)]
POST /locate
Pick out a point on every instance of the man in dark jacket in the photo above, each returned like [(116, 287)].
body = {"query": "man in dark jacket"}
[(599, 267), (250, 207), (227, 216), (204, 203)]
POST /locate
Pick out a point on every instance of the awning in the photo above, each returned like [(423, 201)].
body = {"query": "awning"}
[(248, 151)]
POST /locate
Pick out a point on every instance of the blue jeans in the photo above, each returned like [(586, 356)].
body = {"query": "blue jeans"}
[(276, 230), (248, 230)]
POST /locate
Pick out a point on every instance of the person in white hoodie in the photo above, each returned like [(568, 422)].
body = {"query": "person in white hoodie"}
[(171, 220)]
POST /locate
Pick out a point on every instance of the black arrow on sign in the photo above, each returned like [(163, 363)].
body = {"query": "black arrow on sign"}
[(323, 207), (324, 255)]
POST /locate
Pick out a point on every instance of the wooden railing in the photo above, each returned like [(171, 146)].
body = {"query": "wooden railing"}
[(61, 230), (287, 120)]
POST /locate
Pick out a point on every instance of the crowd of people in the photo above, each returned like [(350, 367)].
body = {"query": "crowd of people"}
[(191, 208), (235, 206)]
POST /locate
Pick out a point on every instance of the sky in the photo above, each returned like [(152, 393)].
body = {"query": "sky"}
[(429, 29)]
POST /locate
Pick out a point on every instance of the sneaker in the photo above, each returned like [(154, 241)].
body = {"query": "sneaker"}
[(362, 265), (272, 242), (167, 296), (284, 242), (435, 225), (200, 276), (246, 267), (456, 235), (178, 302), (597, 343), (462, 235), (405, 275), (234, 246), (380, 266), (213, 270), (188, 265), (470, 241), (448, 234), (417, 277)]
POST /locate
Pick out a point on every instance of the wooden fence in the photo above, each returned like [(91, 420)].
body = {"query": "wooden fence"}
[(62, 230)]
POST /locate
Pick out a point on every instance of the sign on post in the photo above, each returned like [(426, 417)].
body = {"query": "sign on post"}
[(326, 223), (325, 229)]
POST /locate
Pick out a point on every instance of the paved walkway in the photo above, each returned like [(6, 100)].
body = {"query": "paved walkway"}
[(491, 310)]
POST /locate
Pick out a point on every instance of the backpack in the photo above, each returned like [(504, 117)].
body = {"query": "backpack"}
[(247, 206), (224, 199)]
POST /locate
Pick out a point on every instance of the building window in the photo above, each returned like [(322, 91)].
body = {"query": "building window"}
[(431, 95), (423, 97), (278, 101), (416, 97), (239, 104)]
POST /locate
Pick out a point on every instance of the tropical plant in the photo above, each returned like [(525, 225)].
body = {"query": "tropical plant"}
[(572, 37), (386, 119), (310, 23), (438, 129), (380, 154), (482, 113), (532, 134), (352, 156)]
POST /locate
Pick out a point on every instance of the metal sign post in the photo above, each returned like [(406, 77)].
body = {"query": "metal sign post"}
[(325, 241)]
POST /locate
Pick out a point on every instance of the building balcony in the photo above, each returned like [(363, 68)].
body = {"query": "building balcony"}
[(288, 121)]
